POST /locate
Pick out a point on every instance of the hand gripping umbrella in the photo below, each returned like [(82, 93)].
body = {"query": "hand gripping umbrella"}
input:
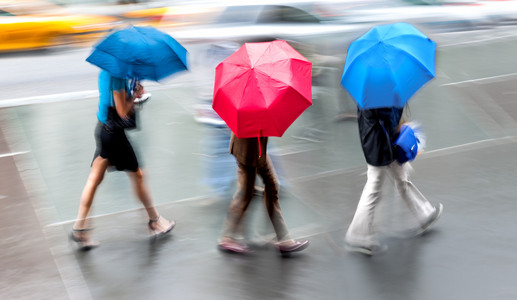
[(262, 88), (141, 53), (387, 65)]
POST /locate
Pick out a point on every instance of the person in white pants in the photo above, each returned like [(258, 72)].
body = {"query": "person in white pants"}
[(377, 129)]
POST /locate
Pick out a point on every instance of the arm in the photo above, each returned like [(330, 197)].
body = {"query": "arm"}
[(124, 102)]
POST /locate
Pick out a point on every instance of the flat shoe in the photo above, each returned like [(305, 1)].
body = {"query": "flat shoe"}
[(233, 247), (295, 247)]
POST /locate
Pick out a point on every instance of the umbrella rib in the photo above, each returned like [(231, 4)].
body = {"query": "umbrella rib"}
[(243, 92), (413, 58), (276, 79), (369, 48), (245, 70), (354, 62), (277, 127), (254, 64), (404, 35)]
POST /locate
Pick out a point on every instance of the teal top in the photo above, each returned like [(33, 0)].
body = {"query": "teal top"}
[(107, 85)]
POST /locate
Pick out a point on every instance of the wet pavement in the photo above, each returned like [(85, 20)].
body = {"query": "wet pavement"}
[(469, 115)]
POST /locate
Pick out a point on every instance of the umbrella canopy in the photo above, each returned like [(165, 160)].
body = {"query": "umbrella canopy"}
[(387, 65), (139, 52), (262, 88)]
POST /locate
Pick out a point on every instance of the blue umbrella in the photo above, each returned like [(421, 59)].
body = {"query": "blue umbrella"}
[(141, 53), (387, 65)]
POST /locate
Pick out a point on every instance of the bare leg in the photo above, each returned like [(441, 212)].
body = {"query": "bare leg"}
[(97, 171), (80, 233), (158, 223)]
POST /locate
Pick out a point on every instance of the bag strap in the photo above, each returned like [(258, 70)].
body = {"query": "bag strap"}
[(388, 138)]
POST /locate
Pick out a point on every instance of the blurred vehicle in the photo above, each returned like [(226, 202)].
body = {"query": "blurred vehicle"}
[(441, 2), (501, 12), (478, 14), (263, 21), (170, 16), (430, 18), (28, 25), (340, 19)]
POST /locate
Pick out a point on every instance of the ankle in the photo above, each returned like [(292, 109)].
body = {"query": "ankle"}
[(287, 242), (81, 230), (81, 235), (155, 220)]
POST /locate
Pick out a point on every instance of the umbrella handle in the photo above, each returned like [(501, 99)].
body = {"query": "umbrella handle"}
[(132, 85), (259, 145)]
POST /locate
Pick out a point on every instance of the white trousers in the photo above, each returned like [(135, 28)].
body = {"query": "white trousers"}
[(361, 230)]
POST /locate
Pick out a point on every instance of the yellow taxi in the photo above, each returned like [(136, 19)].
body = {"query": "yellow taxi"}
[(28, 25)]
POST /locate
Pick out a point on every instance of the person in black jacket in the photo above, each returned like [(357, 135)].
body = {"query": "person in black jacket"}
[(378, 128)]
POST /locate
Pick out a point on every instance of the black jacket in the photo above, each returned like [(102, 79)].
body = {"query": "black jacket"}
[(247, 150), (378, 129)]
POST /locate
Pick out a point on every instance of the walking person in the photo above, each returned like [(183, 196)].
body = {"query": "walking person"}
[(378, 128), (252, 159), (114, 150)]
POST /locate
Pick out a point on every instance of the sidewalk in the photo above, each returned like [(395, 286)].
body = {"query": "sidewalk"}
[(467, 255)]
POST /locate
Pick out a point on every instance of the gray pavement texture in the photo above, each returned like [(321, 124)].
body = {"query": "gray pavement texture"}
[(469, 166)]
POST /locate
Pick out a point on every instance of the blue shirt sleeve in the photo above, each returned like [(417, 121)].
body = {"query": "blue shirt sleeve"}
[(117, 84)]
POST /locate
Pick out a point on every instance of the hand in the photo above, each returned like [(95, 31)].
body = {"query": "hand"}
[(138, 91)]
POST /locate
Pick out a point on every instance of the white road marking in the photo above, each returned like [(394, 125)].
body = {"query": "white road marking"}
[(484, 79), (479, 41), (13, 154), (48, 98)]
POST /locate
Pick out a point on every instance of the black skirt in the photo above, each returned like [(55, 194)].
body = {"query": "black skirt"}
[(114, 146)]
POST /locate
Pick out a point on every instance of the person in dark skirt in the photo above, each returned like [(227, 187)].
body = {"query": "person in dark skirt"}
[(114, 151)]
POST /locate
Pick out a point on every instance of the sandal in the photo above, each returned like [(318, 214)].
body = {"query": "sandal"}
[(157, 232), (83, 240)]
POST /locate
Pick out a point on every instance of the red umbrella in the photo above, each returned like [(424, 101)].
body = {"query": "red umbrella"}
[(262, 88)]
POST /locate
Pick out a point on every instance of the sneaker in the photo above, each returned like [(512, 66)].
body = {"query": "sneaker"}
[(432, 219), (370, 250), (426, 225), (141, 100)]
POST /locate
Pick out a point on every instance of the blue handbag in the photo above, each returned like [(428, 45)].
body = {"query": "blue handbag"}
[(406, 145)]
